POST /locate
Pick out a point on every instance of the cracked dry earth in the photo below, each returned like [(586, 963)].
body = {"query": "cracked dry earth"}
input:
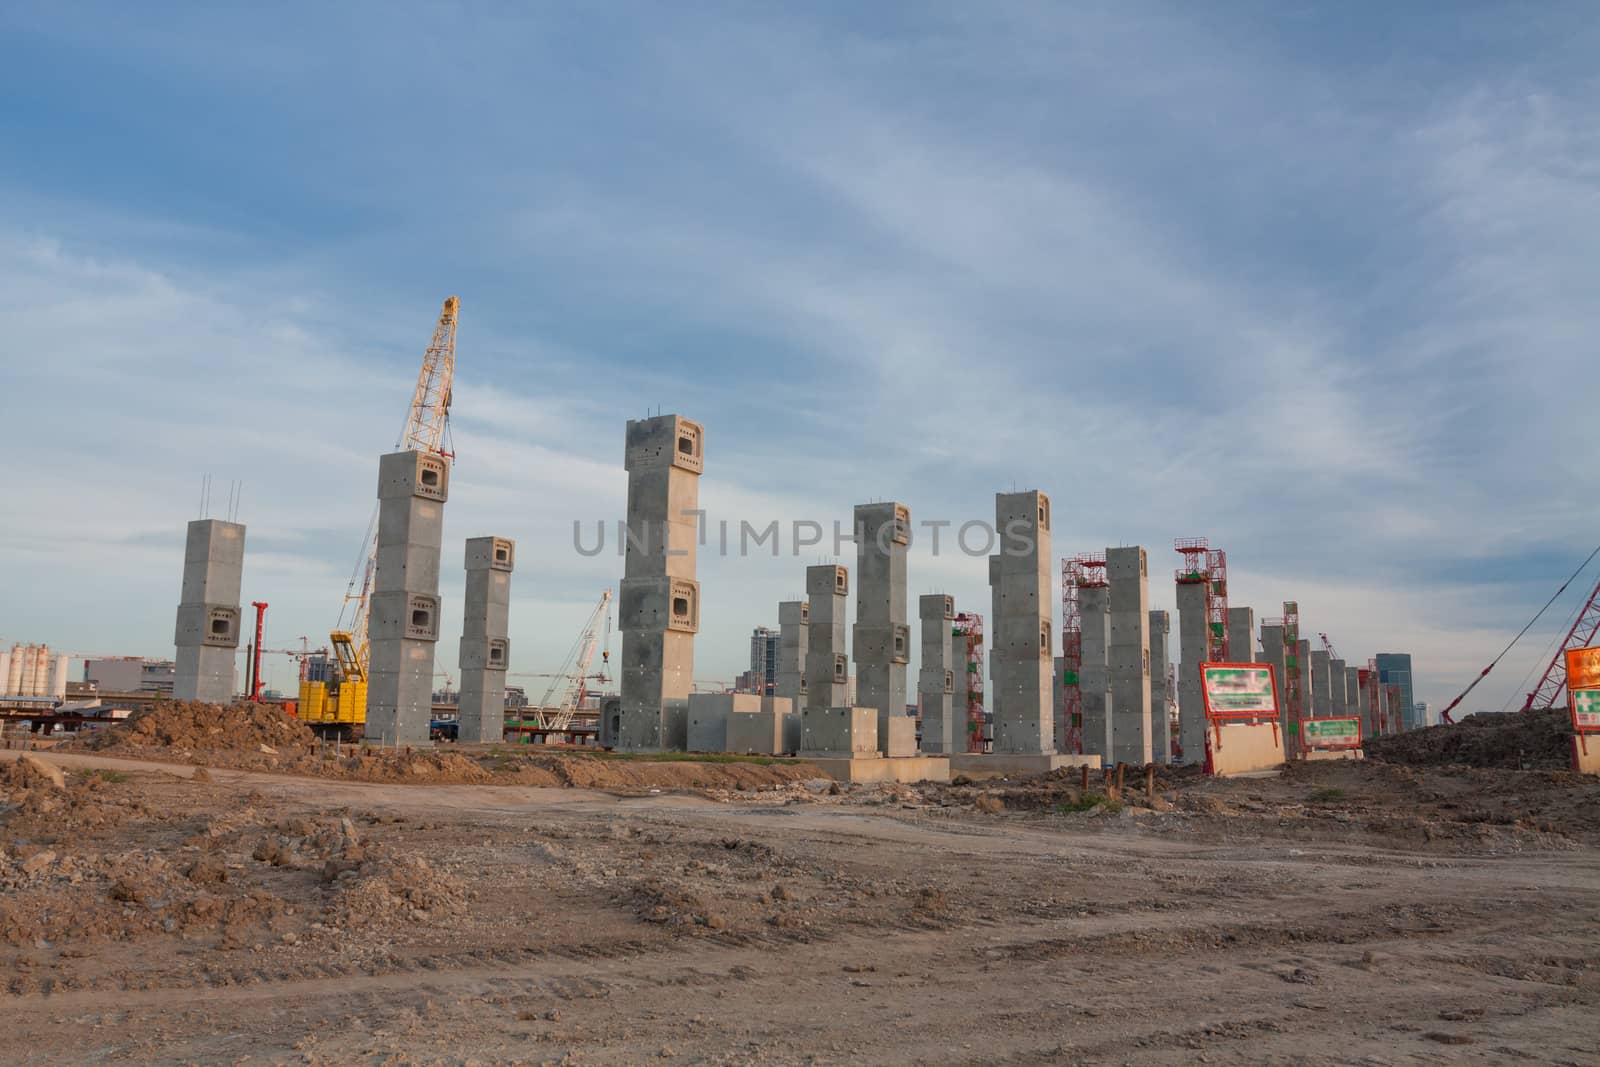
[(258, 919)]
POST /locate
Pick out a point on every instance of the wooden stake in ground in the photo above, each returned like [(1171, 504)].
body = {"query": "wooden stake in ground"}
[(1085, 777), (1150, 782), (1120, 768)]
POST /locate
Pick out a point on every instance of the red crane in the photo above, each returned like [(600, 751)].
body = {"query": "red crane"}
[(1548, 692)]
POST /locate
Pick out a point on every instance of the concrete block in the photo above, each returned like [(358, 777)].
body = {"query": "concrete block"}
[(897, 736), (481, 709), (646, 604), (410, 521), (998, 764), (403, 616), (214, 542), (404, 475), (752, 733), (490, 554), (826, 580), (1245, 749), (880, 644), (664, 441), (411, 658), (709, 714), (485, 654), (877, 769), (491, 620), (213, 625), (206, 674), (487, 587), (211, 583), (407, 566), (846, 732)]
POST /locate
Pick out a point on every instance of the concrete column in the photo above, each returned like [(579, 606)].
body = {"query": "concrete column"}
[(659, 603), (827, 665), (1272, 656), (960, 694), (207, 633), (1321, 688), (403, 626), (1241, 635), (485, 645), (1336, 701), (1057, 710), (1160, 699), (882, 639), (1352, 692), (1192, 631), (794, 620), (1021, 643), (1094, 609), (936, 675), (1128, 570)]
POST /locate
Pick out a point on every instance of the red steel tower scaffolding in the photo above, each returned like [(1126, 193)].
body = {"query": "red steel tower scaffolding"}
[(1582, 635), (969, 629), (1071, 658), (1293, 681), (1204, 564)]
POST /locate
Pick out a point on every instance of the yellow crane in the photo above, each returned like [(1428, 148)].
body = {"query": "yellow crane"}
[(337, 702)]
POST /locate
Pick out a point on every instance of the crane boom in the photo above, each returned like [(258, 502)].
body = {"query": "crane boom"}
[(424, 431), (572, 680)]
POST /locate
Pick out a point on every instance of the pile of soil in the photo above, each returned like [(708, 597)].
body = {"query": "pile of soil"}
[(194, 726), (1531, 740), (641, 775)]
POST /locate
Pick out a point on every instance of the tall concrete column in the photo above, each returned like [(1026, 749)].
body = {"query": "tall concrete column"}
[(1098, 701), (960, 695), (485, 642), (1128, 570), (1336, 701), (1022, 646), (1272, 656), (1192, 630), (1160, 699), (403, 627), (936, 675), (1352, 692), (658, 608), (827, 665), (794, 622), (207, 632), (882, 640), (1242, 635), (1321, 689)]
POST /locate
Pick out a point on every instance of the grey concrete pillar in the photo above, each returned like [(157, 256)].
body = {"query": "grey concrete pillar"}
[(485, 641), (882, 640), (1021, 643), (1094, 677), (1352, 692), (206, 637), (1336, 701), (1161, 701), (960, 695), (1272, 656), (1192, 630), (1241, 635), (936, 675), (658, 608), (1321, 687), (1128, 571), (827, 664), (794, 622), (403, 624)]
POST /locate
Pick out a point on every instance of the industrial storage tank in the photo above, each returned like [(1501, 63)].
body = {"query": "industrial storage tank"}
[(13, 678)]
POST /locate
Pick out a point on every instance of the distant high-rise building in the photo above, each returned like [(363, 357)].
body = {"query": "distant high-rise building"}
[(130, 674), (764, 660), (1424, 716), (1394, 668)]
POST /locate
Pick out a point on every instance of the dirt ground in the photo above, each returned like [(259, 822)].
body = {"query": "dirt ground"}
[(1349, 914)]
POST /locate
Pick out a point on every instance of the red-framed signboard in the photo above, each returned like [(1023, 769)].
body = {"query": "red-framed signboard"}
[(1337, 734), (1239, 692)]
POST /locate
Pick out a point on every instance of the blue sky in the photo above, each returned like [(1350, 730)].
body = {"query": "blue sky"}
[(1311, 280)]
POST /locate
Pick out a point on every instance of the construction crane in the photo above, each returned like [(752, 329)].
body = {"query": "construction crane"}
[(340, 702), (565, 695), (1327, 646)]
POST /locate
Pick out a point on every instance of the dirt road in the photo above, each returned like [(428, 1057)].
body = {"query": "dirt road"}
[(264, 919)]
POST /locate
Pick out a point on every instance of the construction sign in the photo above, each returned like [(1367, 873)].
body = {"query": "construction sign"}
[(1331, 733), (1238, 690), (1585, 709), (1583, 668)]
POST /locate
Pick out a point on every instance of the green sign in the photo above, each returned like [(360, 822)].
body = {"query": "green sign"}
[(1333, 732), (1586, 708), (1233, 689)]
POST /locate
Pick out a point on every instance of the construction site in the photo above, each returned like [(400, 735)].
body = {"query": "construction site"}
[(1092, 834)]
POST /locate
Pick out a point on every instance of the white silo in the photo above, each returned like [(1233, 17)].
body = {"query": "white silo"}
[(58, 679), (14, 670)]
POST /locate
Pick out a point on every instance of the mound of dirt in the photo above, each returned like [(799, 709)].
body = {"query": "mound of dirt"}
[(193, 726), (1533, 740), (628, 775)]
